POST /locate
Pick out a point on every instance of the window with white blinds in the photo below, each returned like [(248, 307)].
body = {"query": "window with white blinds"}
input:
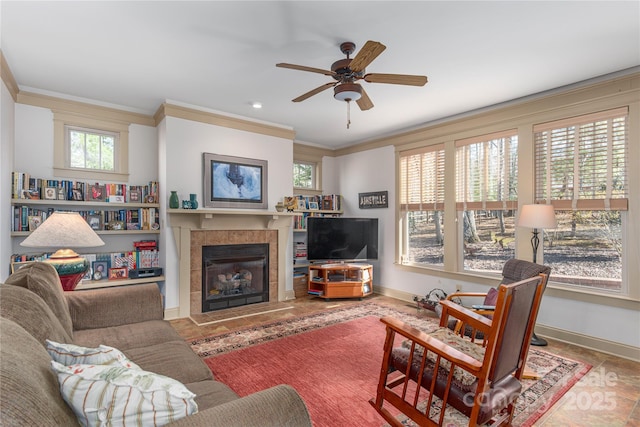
[(487, 172), (581, 162), (422, 179)]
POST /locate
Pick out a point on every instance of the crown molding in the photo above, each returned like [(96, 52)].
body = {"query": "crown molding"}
[(171, 110), (310, 153), (7, 78), (84, 109)]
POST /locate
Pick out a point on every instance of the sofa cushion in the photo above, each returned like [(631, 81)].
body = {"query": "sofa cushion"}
[(69, 354), (114, 395), (127, 337), (42, 279), (173, 359), (211, 393), (29, 390), (29, 311)]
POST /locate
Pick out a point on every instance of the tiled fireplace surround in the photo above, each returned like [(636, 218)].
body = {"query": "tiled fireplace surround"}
[(194, 229)]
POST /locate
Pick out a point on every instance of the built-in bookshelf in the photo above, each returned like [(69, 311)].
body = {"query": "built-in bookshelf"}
[(119, 211), (305, 206)]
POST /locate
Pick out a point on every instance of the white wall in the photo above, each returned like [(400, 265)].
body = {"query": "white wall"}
[(7, 135), (183, 143)]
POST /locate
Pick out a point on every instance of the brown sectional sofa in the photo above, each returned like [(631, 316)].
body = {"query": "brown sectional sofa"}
[(34, 308)]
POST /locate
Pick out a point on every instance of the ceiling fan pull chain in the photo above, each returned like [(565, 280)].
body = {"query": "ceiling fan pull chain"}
[(348, 113)]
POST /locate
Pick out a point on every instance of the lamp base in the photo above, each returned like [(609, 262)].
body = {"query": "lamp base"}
[(536, 340), (70, 267)]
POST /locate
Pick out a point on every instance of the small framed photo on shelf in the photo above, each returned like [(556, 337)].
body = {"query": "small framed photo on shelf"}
[(313, 206), (115, 225), (97, 193), (99, 270), (77, 194), (94, 221), (61, 194), (50, 193), (34, 222), (118, 273), (134, 196), (302, 205)]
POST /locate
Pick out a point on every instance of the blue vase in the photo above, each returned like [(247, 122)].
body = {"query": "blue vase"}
[(194, 201)]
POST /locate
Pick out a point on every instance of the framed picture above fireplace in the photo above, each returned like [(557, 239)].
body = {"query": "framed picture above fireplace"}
[(234, 182)]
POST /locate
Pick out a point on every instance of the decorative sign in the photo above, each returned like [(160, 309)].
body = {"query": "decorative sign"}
[(377, 199)]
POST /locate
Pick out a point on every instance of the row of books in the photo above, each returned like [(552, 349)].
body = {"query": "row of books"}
[(300, 250), (100, 263), (28, 218), (326, 202), (24, 186), (300, 221)]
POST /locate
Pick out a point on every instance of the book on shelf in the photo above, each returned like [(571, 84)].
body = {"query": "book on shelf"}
[(326, 202)]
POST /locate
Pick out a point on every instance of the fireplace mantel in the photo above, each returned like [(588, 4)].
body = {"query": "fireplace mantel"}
[(183, 221)]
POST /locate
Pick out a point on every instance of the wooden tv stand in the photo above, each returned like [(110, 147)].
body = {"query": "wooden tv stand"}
[(341, 280)]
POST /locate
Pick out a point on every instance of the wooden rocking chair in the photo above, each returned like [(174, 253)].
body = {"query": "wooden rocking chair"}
[(481, 382)]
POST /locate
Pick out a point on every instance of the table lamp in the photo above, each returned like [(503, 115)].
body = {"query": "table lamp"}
[(66, 230), (537, 217)]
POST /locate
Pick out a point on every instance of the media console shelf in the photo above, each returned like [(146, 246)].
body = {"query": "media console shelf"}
[(340, 280)]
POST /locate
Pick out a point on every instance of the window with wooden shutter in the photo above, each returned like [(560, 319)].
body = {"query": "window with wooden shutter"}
[(422, 205)]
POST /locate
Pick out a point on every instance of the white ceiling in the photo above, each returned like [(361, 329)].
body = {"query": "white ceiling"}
[(221, 55)]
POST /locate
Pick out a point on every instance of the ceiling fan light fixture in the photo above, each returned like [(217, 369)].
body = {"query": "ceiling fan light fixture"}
[(347, 92)]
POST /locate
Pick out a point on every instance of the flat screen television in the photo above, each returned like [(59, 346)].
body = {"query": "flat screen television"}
[(342, 239)]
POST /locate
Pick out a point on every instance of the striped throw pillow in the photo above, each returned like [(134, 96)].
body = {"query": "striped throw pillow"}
[(70, 354), (114, 395)]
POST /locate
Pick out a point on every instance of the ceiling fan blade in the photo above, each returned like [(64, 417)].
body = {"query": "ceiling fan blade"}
[(364, 102), (366, 55), (314, 91), (303, 68), (396, 79)]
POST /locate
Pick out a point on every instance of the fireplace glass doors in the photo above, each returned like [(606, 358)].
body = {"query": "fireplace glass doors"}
[(234, 275)]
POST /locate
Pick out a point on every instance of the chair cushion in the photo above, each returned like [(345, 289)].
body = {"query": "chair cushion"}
[(448, 337), (114, 395), (69, 354)]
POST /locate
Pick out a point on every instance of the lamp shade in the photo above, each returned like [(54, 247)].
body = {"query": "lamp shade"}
[(65, 230), (537, 216), (347, 92)]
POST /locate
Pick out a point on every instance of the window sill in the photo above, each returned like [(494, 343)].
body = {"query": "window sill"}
[(91, 175)]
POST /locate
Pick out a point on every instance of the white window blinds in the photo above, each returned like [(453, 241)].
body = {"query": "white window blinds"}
[(487, 172), (422, 179), (581, 162)]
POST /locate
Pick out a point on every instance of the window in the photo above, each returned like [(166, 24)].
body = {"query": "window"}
[(304, 175), (422, 205), (486, 199), (91, 149), (581, 168)]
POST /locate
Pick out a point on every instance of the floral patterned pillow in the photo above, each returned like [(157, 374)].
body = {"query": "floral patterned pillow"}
[(454, 340), (102, 395), (70, 354)]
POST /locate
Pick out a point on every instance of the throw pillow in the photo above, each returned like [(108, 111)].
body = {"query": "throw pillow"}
[(70, 354), (113, 395)]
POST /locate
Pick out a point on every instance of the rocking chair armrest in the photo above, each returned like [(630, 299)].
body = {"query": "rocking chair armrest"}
[(434, 345), (466, 294), (466, 316)]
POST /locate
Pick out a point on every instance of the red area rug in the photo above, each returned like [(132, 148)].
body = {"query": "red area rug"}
[(333, 360)]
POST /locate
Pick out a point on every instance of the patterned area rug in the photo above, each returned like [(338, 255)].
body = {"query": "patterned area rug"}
[(557, 374)]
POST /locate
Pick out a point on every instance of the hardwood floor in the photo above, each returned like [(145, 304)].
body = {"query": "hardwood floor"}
[(609, 395)]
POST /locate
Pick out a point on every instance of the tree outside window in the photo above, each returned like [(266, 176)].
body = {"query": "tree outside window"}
[(304, 175), (91, 149)]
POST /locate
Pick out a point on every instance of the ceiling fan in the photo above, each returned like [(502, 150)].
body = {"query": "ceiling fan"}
[(348, 71)]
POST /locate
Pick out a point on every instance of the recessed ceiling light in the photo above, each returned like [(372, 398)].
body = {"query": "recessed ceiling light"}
[(256, 105)]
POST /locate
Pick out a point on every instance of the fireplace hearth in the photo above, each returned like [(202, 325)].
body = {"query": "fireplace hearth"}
[(234, 275)]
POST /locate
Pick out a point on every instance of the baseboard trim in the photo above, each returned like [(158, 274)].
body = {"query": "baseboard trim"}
[(172, 313), (593, 343)]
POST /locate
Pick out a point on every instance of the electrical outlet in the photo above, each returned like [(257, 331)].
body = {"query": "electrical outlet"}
[(458, 287)]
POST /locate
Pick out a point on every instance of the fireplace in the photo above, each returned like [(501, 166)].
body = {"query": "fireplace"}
[(234, 275)]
